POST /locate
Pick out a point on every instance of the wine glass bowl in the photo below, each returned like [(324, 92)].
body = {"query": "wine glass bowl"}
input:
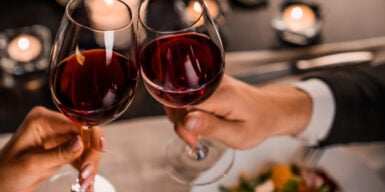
[(186, 77), (93, 73), (181, 61), (93, 91)]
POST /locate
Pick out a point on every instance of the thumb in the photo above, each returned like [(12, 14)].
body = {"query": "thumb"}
[(63, 154), (201, 123)]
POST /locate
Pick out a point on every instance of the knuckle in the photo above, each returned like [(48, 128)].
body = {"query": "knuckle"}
[(37, 111), (36, 115), (62, 155)]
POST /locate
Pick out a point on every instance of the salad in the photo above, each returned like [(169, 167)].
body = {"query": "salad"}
[(285, 178)]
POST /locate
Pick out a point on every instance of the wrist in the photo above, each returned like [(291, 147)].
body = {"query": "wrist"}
[(293, 109)]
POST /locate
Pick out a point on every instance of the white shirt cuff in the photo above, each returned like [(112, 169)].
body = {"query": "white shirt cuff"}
[(323, 111)]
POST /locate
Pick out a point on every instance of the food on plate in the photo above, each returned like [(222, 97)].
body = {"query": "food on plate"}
[(285, 178)]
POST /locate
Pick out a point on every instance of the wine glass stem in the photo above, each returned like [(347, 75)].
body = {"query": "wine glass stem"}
[(199, 152), (86, 134)]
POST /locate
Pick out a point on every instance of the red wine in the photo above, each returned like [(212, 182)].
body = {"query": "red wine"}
[(94, 86), (181, 70)]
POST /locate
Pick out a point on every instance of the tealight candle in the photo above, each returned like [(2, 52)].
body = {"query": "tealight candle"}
[(195, 9), (107, 14), (110, 15), (299, 17), (24, 48)]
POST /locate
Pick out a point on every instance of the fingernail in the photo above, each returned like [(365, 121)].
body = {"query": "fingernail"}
[(192, 123), (75, 144), (103, 145), (91, 187), (87, 170), (87, 183)]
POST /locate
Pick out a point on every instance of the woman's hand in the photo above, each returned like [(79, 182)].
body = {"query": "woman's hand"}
[(241, 116), (44, 142)]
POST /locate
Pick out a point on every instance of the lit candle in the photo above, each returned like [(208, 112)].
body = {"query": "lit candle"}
[(299, 17), (24, 48), (194, 9), (109, 15)]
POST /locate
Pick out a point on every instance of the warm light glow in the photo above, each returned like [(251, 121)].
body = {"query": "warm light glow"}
[(24, 48), (297, 13), (80, 58), (108, 15), (23, 43), (197, 7), (299, 17), (109, 2)]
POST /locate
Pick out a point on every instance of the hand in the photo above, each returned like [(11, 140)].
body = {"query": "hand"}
[(241, 116), (44, 142)]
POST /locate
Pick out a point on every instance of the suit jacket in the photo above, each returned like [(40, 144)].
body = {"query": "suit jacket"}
[(360, 105)]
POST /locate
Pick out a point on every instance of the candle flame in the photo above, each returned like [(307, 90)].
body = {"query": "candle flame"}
[(297, 13), (109, 2), (23, 43), (197, 7)]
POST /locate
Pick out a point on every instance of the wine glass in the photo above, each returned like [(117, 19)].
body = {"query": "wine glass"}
[(93, 73), (181, 60)]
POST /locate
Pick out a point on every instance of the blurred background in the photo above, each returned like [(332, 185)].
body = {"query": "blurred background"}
[(250, 29)]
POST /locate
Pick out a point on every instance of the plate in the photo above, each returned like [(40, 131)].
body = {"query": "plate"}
[(66, 177), (103, 185), (349, 171)]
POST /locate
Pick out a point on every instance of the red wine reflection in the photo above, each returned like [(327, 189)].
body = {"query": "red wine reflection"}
[(95, 86), (182, 70)]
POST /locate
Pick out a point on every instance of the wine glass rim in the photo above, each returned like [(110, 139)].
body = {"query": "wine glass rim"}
[(128, 24), (189, 27)]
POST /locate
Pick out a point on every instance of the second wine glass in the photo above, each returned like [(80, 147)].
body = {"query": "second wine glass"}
[(182, 63), (93, 76)]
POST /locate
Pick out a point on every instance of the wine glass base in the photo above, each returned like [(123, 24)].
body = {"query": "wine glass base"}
[(189, 170), (63, 181)]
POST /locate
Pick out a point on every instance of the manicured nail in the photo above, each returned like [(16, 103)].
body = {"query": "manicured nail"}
[(87, 170), (86, 183), (91, 187), (76, 144), (103, 145), (192, 123)]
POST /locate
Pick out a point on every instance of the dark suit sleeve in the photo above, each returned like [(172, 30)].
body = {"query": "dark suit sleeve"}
[(360, 105)]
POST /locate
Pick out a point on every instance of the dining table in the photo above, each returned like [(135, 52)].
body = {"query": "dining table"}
[(136, 142), (135, 160)]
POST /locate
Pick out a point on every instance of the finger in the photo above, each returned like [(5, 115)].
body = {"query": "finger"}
[(62, 154), (190, 138), (89, 166), (98, 141), (90, 158), (87, 183), (55, 141), (170, 113), (175, 115), (49, 122), (222, 101), (205, 124)]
